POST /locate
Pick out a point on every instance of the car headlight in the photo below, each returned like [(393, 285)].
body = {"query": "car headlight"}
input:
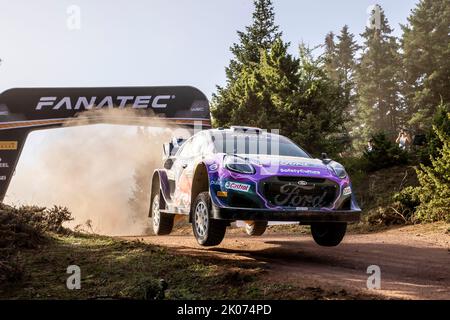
[(338, 170), (238, 165)]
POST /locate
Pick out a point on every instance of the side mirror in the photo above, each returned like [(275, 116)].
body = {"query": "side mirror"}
[(168, 163), (325, 158)]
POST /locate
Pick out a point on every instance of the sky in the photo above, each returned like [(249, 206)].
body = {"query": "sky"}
[(154, 42), (78, 43)]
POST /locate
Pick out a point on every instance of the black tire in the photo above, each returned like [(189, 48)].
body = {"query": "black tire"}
[(207, 231), (162, 222), (256, 228), (328, 234)]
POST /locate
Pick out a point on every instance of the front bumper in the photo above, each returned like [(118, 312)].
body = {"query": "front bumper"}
[(302, 216)]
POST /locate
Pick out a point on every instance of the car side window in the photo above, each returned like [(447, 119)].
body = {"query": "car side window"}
[(197, 145), (185, 151), (208, 145)]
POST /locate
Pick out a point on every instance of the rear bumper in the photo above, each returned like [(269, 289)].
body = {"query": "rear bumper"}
[(303, 216)]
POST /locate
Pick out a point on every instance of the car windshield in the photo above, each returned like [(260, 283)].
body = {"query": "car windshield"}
[(263, 144)]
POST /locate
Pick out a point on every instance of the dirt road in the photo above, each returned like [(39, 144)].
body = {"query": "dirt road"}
[(414, 261)]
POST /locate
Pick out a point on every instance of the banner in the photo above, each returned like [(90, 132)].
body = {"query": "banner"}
[(23, 110)]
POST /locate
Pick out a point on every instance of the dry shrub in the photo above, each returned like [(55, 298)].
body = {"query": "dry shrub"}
[(25, 228)]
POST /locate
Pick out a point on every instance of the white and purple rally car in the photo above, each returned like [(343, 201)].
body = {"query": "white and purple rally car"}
[(220, 176)]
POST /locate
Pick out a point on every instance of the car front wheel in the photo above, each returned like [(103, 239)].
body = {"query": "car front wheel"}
[(328, 234), (207, 231)]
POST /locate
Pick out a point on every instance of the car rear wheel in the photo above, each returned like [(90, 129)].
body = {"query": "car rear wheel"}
[(328, 234), (256, 228), (207, 231), (162, 222)]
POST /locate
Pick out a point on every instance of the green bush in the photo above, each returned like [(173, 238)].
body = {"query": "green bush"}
[(431, 199), (385, 154), (434, 144), (24, 228), (409, 198), (396, 214)]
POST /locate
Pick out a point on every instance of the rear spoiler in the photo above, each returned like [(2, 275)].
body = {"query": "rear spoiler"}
[(24, 110)]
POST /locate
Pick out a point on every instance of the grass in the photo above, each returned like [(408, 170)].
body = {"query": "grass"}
[(117, 269), (112, 268)]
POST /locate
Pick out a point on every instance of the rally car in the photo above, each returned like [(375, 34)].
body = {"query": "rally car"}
[(219, 176)]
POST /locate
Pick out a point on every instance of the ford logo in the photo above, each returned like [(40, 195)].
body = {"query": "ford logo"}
[(302, 183)]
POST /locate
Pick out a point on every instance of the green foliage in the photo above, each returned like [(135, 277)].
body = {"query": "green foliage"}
[(434, 144), (329, 56), (257, 38), (426, 60), (431, 199), (318, 109), (378, 83), (340, 64), (385, 154), (25, 227), (283, 92), (408, 197), (279, 91), (33, 221)]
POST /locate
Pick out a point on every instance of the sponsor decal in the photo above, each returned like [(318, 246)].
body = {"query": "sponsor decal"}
[(213, 167), (299, 171), (3, 164), (302, 183), (199, 106), (301, 208), (2, 178), (223, 194), (8, 145), (87, 103), (296, 164), (237, 186), (197, 109), (293, 196), (214, 183), (347, 191)]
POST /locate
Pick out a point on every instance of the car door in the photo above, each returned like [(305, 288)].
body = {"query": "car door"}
[(173, 166), (183, 171)]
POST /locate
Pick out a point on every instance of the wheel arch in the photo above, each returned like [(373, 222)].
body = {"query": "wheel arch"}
[(159, 184), (200, 183)]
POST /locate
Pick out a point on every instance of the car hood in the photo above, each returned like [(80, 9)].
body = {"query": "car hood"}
[(288, 165)]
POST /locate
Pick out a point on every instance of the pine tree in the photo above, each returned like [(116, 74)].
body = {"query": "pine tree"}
[(340, 65), (330, 57), (346, 65), (282, 92), (317, 115), (261, 92), (257, 37), (426, 57), (378, 82)]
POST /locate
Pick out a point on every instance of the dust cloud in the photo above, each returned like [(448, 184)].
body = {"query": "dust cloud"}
[(100, 172)]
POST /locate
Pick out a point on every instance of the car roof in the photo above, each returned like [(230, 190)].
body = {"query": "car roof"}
[(251, 131)]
